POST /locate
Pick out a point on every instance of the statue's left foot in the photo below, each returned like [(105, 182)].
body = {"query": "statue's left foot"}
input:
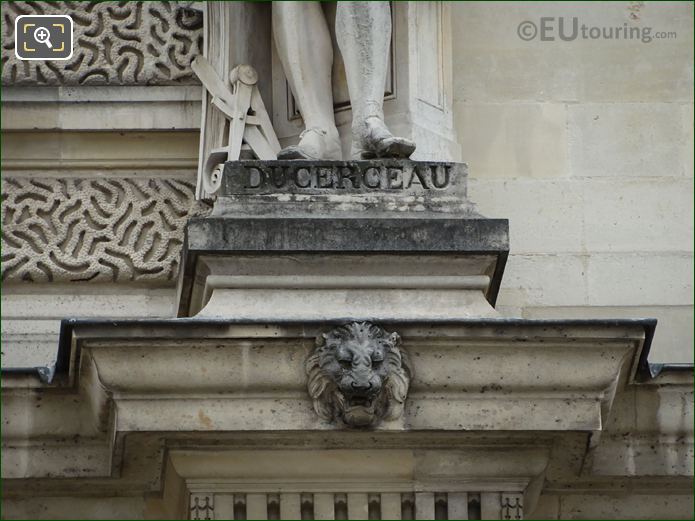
[(377, 141), (314, 144)]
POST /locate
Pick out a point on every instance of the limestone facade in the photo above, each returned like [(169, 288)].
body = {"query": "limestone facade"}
[(586, 146)]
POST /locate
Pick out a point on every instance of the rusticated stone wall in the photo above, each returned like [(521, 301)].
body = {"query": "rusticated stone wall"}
[(116, 43), (104, 230)]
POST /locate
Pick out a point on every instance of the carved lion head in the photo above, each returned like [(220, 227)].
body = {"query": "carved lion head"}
[(358, 374)]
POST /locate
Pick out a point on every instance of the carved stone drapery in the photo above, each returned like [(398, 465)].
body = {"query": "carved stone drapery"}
[(115, 43)]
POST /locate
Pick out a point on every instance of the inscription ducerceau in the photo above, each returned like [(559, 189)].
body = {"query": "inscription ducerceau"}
[(359, 176)]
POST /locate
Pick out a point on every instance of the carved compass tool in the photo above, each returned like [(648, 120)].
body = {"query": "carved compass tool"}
[(249, 128)]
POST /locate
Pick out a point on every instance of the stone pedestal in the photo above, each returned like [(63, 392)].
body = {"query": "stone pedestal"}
[(342, 268), (333, 240)]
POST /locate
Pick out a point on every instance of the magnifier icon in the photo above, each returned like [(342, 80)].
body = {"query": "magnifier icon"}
[(43, 35)]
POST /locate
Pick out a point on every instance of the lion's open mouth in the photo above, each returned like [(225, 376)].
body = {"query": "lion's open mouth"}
[(363, 403), (360, 411)]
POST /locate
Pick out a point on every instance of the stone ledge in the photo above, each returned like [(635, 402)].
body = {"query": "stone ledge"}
[(190, 328), (130, 108), (193, 377)]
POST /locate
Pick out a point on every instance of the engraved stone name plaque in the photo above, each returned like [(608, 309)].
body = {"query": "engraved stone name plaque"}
[(382, 185), (313, 177)]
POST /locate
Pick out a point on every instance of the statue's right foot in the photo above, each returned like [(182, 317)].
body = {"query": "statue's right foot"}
[(372, 139), (314, 144)]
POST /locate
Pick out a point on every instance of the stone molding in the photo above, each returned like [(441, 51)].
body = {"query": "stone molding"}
[(115, 43), (206, 376), (102, 230), (397, 483), (495, 395), (129, 108)]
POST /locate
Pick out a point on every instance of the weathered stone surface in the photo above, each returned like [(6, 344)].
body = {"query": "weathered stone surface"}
[(79, 230), (513, 140), (674, 333), (115, 43), (493, 64), (159, 108), (589, 154), (339, 234), (129, 507), (31, 319), (609, 130), (379, 187), (591, 216), (660, 505)]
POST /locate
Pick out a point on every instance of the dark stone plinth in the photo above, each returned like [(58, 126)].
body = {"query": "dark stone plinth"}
[(341, 235), (230, 235), (390, 206)]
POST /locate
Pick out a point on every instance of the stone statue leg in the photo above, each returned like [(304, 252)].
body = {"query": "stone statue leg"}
[(306, 52), (363, 31)]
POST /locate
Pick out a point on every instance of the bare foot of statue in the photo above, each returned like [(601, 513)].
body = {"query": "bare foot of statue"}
[(314, 143), (372, 139)]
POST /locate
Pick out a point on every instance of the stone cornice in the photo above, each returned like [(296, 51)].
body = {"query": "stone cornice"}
[(191, 376)]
